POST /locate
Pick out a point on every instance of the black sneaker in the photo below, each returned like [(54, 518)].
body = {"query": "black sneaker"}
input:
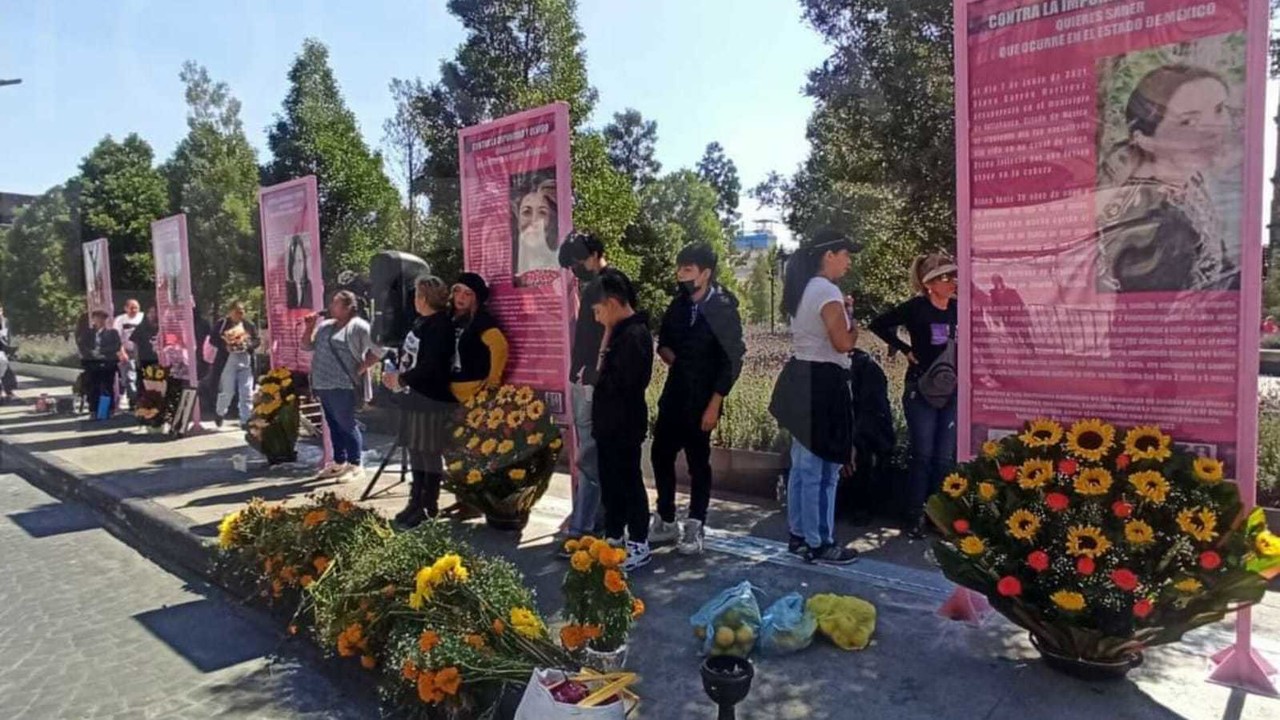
[(797, 546), (832, 555), (217, 421)]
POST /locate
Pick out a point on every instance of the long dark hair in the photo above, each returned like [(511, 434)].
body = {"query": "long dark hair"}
[(1144, 113), (801, 268)]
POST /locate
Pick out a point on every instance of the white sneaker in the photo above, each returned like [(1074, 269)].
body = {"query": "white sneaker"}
[(661, 532), (354, 472), (332, 470), (691, 541), (638, 556)]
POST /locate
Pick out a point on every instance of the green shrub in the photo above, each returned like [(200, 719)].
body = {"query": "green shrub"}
[(47, 350)]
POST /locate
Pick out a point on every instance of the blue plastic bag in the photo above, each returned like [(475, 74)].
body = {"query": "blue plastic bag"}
[(729, 623), (787, 626)]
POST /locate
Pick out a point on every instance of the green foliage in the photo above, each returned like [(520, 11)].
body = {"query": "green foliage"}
[(317, 134), (604, 203), (717, 170), (631, 141), (117, 195), (213, 178), (681, 207), (48, 348), (762, 288), (42, 254)]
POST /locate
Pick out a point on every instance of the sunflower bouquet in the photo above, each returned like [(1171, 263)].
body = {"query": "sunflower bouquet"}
[(273, 429), (599, 606), (505, 449), (158, 402), (1100, 542)]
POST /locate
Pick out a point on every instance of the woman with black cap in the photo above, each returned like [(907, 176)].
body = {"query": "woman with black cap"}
[(812, 398), (479, 347)]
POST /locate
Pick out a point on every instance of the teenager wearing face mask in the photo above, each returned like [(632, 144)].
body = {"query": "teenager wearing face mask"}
[(701, 342)]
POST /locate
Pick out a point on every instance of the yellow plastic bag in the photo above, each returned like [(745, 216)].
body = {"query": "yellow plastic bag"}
[(847, 621)]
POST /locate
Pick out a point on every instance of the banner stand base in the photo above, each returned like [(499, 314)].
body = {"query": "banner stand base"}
[(966, 606), (1246, 670)]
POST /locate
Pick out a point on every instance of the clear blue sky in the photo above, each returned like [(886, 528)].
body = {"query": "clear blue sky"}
[(726, 70)]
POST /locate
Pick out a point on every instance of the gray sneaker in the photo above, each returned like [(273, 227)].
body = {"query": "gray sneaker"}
[(661, 533), (691, 540), (832, 555), (637, 556)]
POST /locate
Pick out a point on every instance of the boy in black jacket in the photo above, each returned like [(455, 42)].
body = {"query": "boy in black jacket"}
[(701, 341), (620, 415)]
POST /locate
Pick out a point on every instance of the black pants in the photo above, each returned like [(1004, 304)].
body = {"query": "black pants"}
[(626, 504), (101, 380), (671, 435)]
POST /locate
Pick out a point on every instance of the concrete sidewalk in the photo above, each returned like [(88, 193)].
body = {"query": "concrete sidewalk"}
[(173, 493)]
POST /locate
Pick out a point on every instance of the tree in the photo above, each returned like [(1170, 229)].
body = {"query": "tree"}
[(758, 291), (631, 141), (317, 134), (718, 171), (42, 257), (677, 209), (213, 178), (117, 195), (402, 138)]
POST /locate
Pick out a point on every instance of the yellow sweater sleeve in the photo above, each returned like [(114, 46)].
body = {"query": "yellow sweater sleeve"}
[(497, 344)]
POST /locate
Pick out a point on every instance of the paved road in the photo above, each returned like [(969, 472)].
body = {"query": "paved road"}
[(91, 629)]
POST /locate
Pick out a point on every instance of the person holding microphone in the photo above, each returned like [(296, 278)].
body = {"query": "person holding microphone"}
[(343, 351)]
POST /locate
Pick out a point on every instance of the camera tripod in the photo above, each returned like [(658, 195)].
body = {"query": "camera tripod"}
[(397, 444)]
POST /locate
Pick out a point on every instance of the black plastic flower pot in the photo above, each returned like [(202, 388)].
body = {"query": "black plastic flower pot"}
[(727, 680)]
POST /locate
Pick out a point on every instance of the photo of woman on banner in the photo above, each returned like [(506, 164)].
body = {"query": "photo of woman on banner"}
[(298, 274), (535, 228), (93, 276), (1164, 191), (171, 276)]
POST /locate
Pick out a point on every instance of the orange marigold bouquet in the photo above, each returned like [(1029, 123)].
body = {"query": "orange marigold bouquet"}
[(599, 606), (1101, 542)]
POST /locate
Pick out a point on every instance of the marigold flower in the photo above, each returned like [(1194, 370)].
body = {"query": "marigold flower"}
[(474, 476), (227, 530), (427, 690), (345, 507), (505, 447), (534, 440), (499, 627), (321, 563), (488, 446), (368, 662), (306, 581), (448, 680), (637, 607), (314, 518), (611, 557), (571, 637), (428, 640), (591, 632), (581, 561), (475, 641), (409, 671), (571, 546), (526, 623)]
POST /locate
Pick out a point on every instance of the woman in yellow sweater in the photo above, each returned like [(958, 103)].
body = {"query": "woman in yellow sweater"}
[(480, 349)]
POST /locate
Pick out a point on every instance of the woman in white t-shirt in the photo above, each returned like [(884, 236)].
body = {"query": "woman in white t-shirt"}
[(812, 399)]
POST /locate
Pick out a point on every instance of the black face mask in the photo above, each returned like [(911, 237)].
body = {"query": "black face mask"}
[(688, 287), (583, 273)]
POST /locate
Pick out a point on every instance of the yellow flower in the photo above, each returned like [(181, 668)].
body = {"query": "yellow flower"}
[(473, 442), (990, 449), (455, 466), (1146, 442), (475, 418), (1208, 470), (227, 530), (474, 477), (459, 432), (987, 491), (1034, 473), (1188, 585), (1267, 544), (536, 409), (515, 419), (611, 559), (505, 447), (1087, 541), (517, 474), (526, 623), (581, 561), (534, 440), (955, 485), (1151, 485), (637, 608), (1041, 433), (572, 546), (524, 396), (1023, 525), (613, 581), (270, 389), (1199, 523), (556, 444), (1068, 600), (1090, 439), (1093, 481), (488, 446), (1138, 532), (972, 545), (496, 416)]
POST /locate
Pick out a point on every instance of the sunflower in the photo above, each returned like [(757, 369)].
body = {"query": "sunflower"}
[(1086, 541), (534, 440), (987, 491), (1188, 585), (1034, 474), (475, 419), (1146, 442), (1093, 481), (1208, 470), (1199, 523), (517, 474), (1151, 485), (955, 485), (1137, 532), (972, 545), (473, 442), (1023, 525), (505, 447), (1041, 433), (474, 477), (990, 449), (515, 419), (1090, 439), (1068, 600), (536, 409), (488, 446), (524, 396)]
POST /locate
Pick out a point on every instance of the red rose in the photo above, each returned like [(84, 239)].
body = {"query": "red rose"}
[(1210, 560), (1068, 467), (1008, 473), (1125, 580), (1009, 586), (1038, 561), (1122, 461), (1057, 501), (1121, 509), (1142, 608), (1086, 566), (961, 526)]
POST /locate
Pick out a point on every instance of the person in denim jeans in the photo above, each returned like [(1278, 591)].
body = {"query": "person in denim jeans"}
[(930, 320), (343, 351), (236, 339)]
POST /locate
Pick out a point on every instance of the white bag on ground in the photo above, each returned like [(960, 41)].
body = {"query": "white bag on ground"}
[(538, 704)]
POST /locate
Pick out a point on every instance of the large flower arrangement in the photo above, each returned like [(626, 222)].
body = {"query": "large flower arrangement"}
[(158, 402), (273, 430), (505, 451), (444, 629), (598, 603), (1101, 543)]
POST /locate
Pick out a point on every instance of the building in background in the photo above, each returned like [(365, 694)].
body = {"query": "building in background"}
[(751, 246), (10, 204)]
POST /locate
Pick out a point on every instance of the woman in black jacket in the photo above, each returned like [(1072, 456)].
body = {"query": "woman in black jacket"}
[(428, 405), (99, 345), (144, 340)]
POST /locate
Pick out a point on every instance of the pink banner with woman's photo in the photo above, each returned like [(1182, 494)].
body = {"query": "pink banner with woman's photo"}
[(291, 266), (176, 341), (516, 208), (1110, 207), (97, 276)]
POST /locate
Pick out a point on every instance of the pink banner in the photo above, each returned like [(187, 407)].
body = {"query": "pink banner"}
[(97, 276), (291, 266), (176, 341), (516, 207), (1109, 167)]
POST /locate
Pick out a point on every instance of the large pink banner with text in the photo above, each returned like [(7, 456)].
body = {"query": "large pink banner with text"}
[(291, 266), (97, 276), (516, 207), (175, 304), (1109, 216)]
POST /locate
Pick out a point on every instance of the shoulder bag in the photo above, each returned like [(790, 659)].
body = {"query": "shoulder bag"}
[(938, 382)]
